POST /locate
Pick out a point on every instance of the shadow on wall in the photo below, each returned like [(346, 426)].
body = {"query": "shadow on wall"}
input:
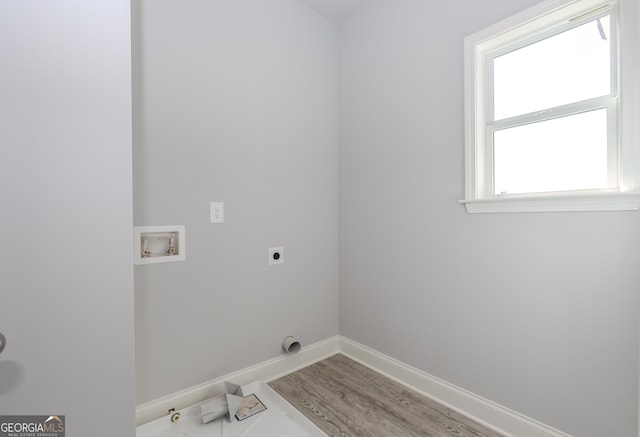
[(12, 375)]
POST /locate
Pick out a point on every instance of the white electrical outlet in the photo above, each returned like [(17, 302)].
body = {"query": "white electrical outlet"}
[(276, 255), (217, 212)]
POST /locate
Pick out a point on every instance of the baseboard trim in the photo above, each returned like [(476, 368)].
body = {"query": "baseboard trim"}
[(265, 371), (477, 408)]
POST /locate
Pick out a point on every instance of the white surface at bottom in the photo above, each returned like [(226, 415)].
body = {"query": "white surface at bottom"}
[(280, 419)]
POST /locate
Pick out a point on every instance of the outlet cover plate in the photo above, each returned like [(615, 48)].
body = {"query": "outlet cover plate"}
[(216, 214), (276, 255)]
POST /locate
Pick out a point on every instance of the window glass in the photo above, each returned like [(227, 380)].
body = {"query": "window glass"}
[(562, 154), (568, 67)]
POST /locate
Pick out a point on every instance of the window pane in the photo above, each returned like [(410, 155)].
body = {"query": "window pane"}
[(568, 153), (565, 68)]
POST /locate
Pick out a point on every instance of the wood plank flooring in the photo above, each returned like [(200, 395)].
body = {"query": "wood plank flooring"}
[(347, 399)]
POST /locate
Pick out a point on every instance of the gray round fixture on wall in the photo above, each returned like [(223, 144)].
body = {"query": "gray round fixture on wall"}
[(291, 345)]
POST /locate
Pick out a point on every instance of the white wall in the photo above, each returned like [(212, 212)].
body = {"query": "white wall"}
[(235, 101), (66, 293), (538, 312)]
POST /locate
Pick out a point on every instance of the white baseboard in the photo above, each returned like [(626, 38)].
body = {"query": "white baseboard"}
[(266, 371), (484, 411)]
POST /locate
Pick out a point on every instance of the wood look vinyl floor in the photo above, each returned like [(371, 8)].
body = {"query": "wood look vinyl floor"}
[(347, 399)]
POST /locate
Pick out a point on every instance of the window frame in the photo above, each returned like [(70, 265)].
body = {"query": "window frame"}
[(544, 19)]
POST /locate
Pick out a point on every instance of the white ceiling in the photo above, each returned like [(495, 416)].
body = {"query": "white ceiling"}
[(334, 9)]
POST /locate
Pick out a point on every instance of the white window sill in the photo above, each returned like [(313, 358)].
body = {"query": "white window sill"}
[(601, 201)]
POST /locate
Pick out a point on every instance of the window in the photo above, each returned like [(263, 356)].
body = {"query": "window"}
[(551, 99)]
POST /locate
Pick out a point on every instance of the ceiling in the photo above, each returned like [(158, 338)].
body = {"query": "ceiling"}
[(335, 10)]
